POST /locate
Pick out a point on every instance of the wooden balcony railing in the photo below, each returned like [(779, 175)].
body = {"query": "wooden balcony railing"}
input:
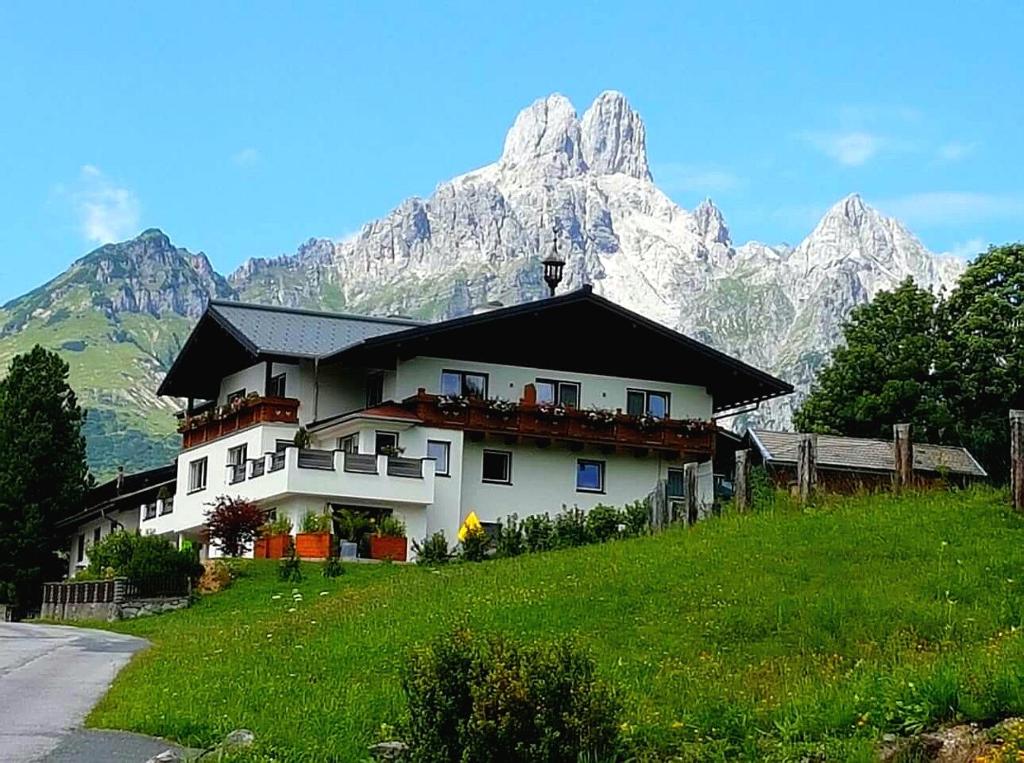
[(224, 420), (547, 422)]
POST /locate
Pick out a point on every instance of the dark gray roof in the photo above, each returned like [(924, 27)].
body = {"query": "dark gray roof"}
[(861, 454), (270, 330)]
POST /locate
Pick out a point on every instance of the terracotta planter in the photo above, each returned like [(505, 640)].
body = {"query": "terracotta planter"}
[(387, 547), (272, 546), (314, 545)]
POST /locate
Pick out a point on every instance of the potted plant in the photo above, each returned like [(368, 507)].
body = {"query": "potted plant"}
[(314, 540), (275, 536), (389, 542)]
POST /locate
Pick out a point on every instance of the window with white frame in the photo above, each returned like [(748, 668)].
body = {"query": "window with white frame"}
[(556, 392), (385, 443), (197, 475), (440, 451), (349, 443), (643, 402), (589, 476), (497, 467), (676, 484), (276, 388)]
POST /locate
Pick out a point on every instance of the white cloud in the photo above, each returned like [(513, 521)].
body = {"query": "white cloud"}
[(953, 207), (106, 211), (954, 151), (246, 157), (967, 249), (703, 180), (850, 148)]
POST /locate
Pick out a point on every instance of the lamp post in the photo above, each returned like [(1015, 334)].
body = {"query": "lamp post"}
[(553, 266)]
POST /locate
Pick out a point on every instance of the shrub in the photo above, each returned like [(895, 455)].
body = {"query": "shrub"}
[(282, 525), (141, 557), (510, 540), (289, 569), (537, 533), (470, 697), (233, 524), (332, 567), (391, 527), (603, 522), (475, 545), (301, 439), (570, 529), (315, 522), (637, 518), (433, 550)]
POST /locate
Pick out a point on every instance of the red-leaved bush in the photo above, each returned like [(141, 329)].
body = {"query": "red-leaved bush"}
[(233, 524)]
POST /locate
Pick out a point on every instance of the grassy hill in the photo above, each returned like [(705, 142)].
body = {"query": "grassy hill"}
[(776, 635)]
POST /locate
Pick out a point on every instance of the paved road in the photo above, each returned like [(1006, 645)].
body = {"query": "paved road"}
[(50, 677)]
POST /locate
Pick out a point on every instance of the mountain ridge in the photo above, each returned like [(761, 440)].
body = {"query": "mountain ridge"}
[(583, 180)]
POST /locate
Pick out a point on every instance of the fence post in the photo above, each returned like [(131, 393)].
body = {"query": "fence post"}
[(903, 454), (1017, 458), (807, 467), (742, 487), (692, 506)]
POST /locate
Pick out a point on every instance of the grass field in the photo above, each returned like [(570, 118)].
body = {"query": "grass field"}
[(769, 636)]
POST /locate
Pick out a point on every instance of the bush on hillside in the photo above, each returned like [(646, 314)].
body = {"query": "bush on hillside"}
[(288, 569), (537, 533), (475, 545), (233, 524), (636, 517), (332, 567), (603, 523), (470, 697), (510, 541), (570, 529), (141, 557), (433, 550)]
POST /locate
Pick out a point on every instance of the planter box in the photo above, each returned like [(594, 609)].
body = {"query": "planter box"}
[(383, 547), (272, 546), (314, 545)]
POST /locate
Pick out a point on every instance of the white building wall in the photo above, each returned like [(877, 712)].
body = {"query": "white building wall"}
[(507, 382)]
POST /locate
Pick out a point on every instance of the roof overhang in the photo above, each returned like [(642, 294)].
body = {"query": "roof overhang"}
[(579, 332)]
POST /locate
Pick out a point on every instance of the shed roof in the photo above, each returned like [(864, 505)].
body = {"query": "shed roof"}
[(863, 454)]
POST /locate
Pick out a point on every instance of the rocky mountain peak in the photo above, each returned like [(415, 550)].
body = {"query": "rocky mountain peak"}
[(614, 137), (544, 141), (711, 223)]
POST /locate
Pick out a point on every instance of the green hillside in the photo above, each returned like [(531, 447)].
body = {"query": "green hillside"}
[(783, 635)]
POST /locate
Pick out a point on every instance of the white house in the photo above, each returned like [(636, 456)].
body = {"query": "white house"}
[(571, 400)]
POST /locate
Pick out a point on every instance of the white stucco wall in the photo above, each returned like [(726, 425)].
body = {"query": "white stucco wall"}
[(507, 382)]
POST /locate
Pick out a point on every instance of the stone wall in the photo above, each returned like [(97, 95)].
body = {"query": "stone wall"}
[(133, 608), (103, 600)]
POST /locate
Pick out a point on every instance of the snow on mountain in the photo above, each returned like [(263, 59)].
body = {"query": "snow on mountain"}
[(585, 181)]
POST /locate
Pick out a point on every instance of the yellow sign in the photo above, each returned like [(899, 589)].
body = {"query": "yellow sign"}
[(471, 523)]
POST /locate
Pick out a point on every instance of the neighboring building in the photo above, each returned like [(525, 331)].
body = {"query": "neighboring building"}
[(850, 464), (123, 503), (571, 400)]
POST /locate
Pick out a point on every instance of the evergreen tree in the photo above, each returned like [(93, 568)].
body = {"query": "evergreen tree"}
[(43, 473)]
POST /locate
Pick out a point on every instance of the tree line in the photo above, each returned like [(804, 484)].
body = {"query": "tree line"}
[(950, 364)]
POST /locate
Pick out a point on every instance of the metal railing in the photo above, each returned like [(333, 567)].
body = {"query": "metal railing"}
[(277, 461), (236, 473), (404, 467), (150, 511), (157, 586), (361, 463), (259, 466), (316, 459)]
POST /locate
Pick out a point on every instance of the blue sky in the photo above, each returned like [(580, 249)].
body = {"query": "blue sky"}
[(242, 129)]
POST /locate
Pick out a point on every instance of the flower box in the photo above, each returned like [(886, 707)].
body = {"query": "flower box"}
[(314, 545), (388, 547), (271, 546)]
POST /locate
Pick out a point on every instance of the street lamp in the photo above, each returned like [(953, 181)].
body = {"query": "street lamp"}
[(553, 266)]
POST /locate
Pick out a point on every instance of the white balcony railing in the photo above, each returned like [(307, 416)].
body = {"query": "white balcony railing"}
[(334, 474)]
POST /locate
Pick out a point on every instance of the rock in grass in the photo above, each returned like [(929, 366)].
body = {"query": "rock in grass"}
[(238, 738), (167, 756), (394, 750)]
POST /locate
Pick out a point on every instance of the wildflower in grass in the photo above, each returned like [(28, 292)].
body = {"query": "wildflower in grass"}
[(291, 609), (276, 596)]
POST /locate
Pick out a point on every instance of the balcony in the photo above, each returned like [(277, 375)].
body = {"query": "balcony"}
[(365, 479), (548, 423), (226, 419)]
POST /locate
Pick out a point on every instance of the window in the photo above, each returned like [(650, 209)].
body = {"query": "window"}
[(197, 475), (149, 510), (641, 402), (551, 391), (236, 395), (280, 445), (349, 443), (81, 548), (236, 463), (497, 467), (590, 476), (385, 442), (276, 387), (374, 389), (463, 383), (440, 451), (96, 535), (676, 484)]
